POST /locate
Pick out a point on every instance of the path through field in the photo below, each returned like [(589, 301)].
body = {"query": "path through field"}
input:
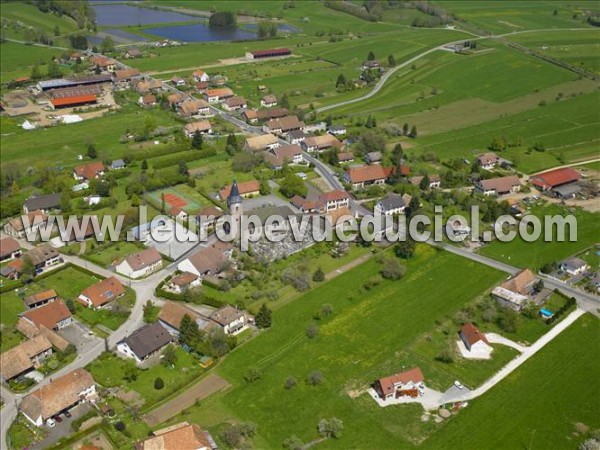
[(205, 387)]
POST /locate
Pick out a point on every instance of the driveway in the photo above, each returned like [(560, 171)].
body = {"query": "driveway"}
[(80, 336), (494, 338), (62, 429)]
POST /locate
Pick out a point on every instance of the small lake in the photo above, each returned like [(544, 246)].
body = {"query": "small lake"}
[(132, 15), (200, 33)]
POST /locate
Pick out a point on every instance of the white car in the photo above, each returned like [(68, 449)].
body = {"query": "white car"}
[(458, 384), (51, 423)]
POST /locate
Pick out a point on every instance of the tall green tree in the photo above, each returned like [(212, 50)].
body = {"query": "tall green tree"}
[(371, 56), (263, 318), (108, 45), (197, 140)]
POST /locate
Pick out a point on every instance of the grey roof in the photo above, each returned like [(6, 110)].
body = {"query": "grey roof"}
[(373, 156), (392, 201), (117, 163), (234, 195), (574, 263), (567, 190), (49, 201), (148, 339)]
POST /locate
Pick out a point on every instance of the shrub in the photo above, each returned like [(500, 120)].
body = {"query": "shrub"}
[(314, 378), (159, 383)]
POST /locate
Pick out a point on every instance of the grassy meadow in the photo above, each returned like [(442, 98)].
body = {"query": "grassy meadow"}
[(361, 341)]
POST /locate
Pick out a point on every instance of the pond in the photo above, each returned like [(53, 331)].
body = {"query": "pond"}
[(200, 33), (133, 15)]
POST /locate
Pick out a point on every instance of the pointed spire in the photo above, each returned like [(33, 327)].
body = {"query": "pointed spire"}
[(234, 195)]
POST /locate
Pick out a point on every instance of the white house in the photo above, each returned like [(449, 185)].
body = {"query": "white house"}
[(232, 320), (392, 204), (140, 264), (200, 76), (401, 384), (574, 266), (474, 340), (145, 342), (59, 395)]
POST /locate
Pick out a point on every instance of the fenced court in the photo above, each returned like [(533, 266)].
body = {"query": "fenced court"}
[(174, 199)]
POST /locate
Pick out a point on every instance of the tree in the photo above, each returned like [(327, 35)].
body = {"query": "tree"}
[(397, 154), (65, 202), (108, 45), (35, 72), (222, 19), (331, 428), (539, 285), (284, 102), (144, 165), (424, 184), (189, 332), (252, 374), (413, 131), (371, 56), (319, 275), (53, 70), (290, 382), (159, 383), (405, 249), (405, 129), (392, 269), (391, 61), (263, 317), (130, 371), (169, 357), (91, 151), (312, 331), (265, 187), (70, 305), (413, 206), (27, 269), (314, 378), (183, 168), (150, 312), (56, 30), (341, 82), (293, 443), (293, 185), (197, 140), (232, 145), (369, 122)]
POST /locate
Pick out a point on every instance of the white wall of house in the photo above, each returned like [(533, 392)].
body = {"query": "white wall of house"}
[(125, 269)]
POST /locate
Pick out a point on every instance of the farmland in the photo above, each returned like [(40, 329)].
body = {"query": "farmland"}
[(523, 254), (358, 344), (509, 415)]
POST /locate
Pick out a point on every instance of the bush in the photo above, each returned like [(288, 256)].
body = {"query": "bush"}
[(392, 269), (290, 382), (314, 378), (252, 374), (120, 426), (159, 383), (312, 331)]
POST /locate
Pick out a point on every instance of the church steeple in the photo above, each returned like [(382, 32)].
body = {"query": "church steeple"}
[(234, 200)]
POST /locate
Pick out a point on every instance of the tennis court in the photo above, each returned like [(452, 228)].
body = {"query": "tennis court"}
[(175, 199)]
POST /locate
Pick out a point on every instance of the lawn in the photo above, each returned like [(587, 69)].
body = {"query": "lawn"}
[(359, 343), (534, 407), (105, 255), (108, 370), (111, 319), (535, 254), (60, 145)]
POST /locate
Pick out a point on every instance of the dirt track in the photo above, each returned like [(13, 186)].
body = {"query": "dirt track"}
[(205, 387)]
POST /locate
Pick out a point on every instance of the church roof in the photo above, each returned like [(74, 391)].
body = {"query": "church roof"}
[(234, 195)]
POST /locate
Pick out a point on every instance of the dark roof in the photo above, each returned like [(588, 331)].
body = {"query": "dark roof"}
[(393, 201), (273, 51), (234, 195), (43, 202), (148, 339)]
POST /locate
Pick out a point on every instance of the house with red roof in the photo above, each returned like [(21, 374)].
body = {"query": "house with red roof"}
[(402, 384), (89, 171), (363, 176), (474, 340)]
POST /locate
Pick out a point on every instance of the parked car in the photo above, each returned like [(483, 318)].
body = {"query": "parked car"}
[(67, 414), (458, 384), (58, 418), (51, 423)]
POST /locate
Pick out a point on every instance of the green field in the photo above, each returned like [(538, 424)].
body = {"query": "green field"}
[(360, 343), (581, 48), (535, 254), (510, 16), (106, 255), (68, 282), (534, 407)]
